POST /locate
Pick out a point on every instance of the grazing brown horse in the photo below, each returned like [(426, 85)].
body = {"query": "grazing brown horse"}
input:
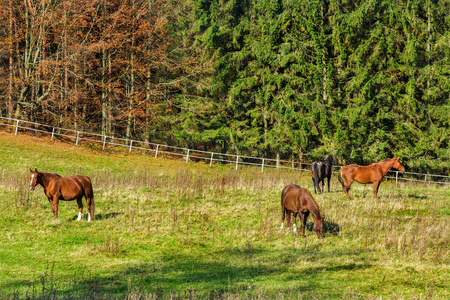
[(299, 201), (65, 188), (373, 173), (321, 170)]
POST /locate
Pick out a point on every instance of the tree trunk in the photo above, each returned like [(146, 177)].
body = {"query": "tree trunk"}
[(104, 95), (132, 79), (11, 62)]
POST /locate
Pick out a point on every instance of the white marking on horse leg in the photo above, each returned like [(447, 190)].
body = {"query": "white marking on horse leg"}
[(79, 216), (89, 217), (295, 228), (31, 182), (281, 226)]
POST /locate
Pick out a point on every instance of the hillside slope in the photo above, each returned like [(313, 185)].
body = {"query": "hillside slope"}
[(166, 229)]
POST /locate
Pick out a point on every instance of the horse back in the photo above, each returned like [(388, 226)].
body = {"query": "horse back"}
[(297, 199), (363, 174), (369, 174), (74, 187), (289, 197)]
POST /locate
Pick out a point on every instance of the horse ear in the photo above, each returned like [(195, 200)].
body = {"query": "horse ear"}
[(35, 170)]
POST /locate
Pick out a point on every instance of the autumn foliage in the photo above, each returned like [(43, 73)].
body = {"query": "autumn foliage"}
[(92, 64)]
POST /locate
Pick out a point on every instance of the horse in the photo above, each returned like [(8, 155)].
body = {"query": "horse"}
[(299, 201), (373, 173), (321, 170), (67, 189)]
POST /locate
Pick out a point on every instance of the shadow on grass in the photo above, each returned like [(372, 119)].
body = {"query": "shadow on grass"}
[(226, 274), (417, 196), (329, 227), (98, 216), (107, 216)]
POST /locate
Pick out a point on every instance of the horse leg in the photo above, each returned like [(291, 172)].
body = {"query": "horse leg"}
[(305, 217), (295, 222), (323, 184), (346, 183), (89, 204), (283, 216), (376, 185), (80, 209), (314, 183), (329, 177), (288, 218), (346, 187), (50, 200), (55, 203)]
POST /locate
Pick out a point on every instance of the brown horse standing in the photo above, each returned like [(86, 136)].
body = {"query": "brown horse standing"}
[(65, 188), (299, 201), (373, 173)]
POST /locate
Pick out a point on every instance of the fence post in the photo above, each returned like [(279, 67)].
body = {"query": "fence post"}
[(78, 134), (17, 126), (104, 141), (53, 132), (425, 177), (156, 154), (300, 170), (396, 178), (210, 164), (262, 165), (187, 156), (237, 161), (131, 145)]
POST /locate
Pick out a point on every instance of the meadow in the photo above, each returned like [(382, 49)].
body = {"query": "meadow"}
[(167, 229)]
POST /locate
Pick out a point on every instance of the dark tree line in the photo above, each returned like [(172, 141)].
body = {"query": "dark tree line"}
[(364, 80)]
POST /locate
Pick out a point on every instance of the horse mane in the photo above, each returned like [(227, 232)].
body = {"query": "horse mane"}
[(50, 174), (387, 160)]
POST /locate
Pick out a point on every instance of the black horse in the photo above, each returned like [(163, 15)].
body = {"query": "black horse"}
[(320, 170)]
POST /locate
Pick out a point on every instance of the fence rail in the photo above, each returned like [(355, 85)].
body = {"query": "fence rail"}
[(80, 137)]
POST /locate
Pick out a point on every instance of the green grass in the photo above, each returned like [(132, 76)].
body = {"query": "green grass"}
[(167, 229)]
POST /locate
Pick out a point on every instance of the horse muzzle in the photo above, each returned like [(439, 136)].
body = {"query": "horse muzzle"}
[(31, 188)]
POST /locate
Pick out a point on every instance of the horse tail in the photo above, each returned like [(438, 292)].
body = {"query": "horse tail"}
[(341, 180), (92, 207), (90, 196), (283, 193), (283, 211), (316, 178)]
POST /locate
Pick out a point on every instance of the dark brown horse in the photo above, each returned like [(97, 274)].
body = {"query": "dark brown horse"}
[(299, 201), (321, 170), (65, 188), (373, 173)]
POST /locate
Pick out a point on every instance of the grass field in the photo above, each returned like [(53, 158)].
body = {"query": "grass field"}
[(167, 229)]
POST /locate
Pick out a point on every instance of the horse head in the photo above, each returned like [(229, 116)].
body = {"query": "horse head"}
[(318, 227), (398, 165), (34, 178)]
